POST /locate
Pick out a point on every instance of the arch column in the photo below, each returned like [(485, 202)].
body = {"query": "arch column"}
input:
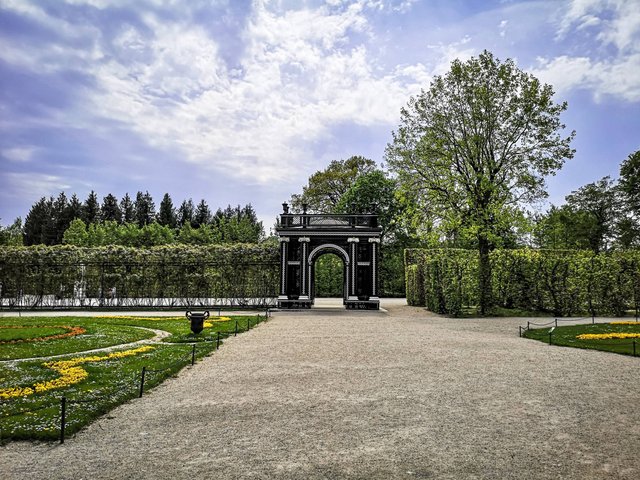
[(284, 247), (374, 267), (353, 258), (304, 294)]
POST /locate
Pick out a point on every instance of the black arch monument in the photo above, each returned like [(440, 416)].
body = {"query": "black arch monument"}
[(305, 237)]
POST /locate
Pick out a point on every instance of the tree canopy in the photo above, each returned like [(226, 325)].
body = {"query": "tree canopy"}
[(326, 187), (477, 145)]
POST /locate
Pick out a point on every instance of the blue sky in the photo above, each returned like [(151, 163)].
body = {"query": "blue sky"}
[(240, 101)]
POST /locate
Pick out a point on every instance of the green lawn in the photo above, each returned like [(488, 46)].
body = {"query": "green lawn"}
[(95, 382), (567, 336)]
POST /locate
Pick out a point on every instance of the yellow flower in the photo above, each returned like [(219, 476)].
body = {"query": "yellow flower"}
[(625, 323), (70, 373), (209, 323), (607, 336)]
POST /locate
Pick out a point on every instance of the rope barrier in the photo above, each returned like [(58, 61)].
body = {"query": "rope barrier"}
[(189, 357)]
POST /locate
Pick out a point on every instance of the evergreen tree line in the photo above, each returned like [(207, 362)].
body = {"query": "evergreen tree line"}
[(53, 221)]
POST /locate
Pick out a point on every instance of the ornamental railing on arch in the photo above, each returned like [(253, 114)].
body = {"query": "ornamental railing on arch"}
[(106, 285)]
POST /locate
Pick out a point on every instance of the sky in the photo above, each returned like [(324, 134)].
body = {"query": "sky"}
[(238, 101)]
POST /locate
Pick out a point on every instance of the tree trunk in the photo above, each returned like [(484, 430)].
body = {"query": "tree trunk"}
[(484, 275)]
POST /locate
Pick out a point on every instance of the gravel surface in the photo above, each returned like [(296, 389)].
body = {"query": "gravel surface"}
[(367, 395)]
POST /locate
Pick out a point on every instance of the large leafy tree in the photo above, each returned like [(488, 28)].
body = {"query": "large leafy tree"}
[(326, 187), (477, 145), (12, 235), (630, 182), (628, 226), (372, 193), (595, 206)]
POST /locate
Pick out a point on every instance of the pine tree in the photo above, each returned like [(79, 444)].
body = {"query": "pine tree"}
[(202, 215), (145, 209), (59, 220), (185, 213), (36, 220), (74, 210), (91, 209), (127, 209), (167, 214), (110, 210)]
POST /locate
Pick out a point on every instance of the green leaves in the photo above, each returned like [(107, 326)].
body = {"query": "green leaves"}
[(562, 282)]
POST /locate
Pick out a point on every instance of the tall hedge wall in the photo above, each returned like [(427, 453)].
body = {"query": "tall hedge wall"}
[(562, 282), (171, 271)]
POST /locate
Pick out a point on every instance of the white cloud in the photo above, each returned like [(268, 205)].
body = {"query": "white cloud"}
[(603, 78), (611, 23), (18, 154), (35, 184), (617, 20), (502, 28), (298, 78)]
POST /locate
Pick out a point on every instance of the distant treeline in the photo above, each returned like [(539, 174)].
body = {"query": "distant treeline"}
[(54, 221)]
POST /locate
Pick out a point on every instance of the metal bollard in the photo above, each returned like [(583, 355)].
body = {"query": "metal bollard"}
[(63, 417), (193, 354), (218, 341), (235, 333), (144, 370)]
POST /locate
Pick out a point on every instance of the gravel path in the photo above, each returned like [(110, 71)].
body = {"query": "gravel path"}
[(367, 395)]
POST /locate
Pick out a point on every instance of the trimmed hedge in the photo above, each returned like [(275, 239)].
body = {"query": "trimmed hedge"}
[(170, 271), (562, 282)]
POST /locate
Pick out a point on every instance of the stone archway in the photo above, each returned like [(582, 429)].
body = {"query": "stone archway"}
[(315, 255), (303, 237)]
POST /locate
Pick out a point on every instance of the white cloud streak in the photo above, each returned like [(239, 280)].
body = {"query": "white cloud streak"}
[(615, 24), (298, 77)]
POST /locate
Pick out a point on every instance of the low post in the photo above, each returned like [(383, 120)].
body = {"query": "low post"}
[(520, 331), (634, 348), (144, 370), (528, 325), (550, 334), (193, 354), (248, 323), (556, 322), (218, 341), (235, 333), (63, 417)]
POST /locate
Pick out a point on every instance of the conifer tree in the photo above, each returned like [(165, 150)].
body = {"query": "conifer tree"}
[(167, 214), (91, 209), (127, 209), (110, 210)]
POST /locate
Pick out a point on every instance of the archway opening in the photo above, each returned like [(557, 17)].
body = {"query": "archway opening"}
[(328, 276)]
